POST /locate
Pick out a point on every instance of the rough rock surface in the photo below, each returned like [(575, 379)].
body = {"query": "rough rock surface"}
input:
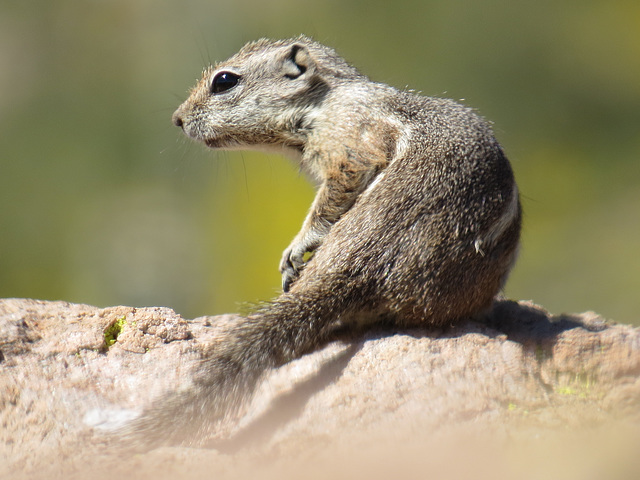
[(71, 375)]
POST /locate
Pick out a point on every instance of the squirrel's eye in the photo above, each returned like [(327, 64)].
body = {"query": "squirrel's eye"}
[(224, 81)]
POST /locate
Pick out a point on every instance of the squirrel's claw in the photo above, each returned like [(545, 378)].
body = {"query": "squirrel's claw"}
[(291, 264)]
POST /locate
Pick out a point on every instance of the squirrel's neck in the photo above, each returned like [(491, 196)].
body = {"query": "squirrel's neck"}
[(352, 123)]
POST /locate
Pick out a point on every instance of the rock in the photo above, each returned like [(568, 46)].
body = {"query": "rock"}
[(72, 375)]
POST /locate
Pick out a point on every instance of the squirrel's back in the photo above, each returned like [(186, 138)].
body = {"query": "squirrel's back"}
[(432, 238)]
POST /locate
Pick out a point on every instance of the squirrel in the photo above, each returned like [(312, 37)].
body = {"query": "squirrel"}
[(416, 221)]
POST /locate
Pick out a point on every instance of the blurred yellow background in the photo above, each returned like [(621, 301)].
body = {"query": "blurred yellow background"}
[(104, 202)]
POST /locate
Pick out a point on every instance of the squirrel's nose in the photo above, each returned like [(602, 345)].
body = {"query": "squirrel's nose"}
[(177, 119)]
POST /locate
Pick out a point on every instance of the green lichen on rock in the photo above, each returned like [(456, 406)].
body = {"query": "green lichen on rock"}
[(579, 385), (112, 331)]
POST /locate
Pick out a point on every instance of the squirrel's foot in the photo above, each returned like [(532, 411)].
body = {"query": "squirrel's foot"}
[(291, 264)]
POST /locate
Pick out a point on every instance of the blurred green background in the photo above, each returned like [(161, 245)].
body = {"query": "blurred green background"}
[(105, 202)]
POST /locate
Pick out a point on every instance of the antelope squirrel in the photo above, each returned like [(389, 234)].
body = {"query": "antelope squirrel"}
[(416, 220)]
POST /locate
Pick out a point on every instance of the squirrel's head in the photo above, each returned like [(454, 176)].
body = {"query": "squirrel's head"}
[(265, 94)]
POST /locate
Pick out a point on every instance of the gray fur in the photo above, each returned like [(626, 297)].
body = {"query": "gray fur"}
[(416, 220)]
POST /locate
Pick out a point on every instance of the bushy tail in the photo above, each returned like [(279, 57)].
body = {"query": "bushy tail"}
[(292, 325)]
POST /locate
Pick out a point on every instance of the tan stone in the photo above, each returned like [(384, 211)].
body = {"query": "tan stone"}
[(372, 404)]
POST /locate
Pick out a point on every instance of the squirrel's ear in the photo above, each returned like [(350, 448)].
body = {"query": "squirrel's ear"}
[(298, 62)]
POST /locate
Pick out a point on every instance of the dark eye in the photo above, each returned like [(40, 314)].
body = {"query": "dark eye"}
[(224, 81)]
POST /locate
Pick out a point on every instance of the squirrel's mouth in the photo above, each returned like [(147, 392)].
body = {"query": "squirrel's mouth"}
[(216, 142), (223, 141), (211, 142)]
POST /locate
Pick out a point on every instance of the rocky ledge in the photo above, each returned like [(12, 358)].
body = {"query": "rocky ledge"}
[(72, 375)]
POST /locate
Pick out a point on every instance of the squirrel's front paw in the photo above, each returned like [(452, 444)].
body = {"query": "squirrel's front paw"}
[(291, 264)]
